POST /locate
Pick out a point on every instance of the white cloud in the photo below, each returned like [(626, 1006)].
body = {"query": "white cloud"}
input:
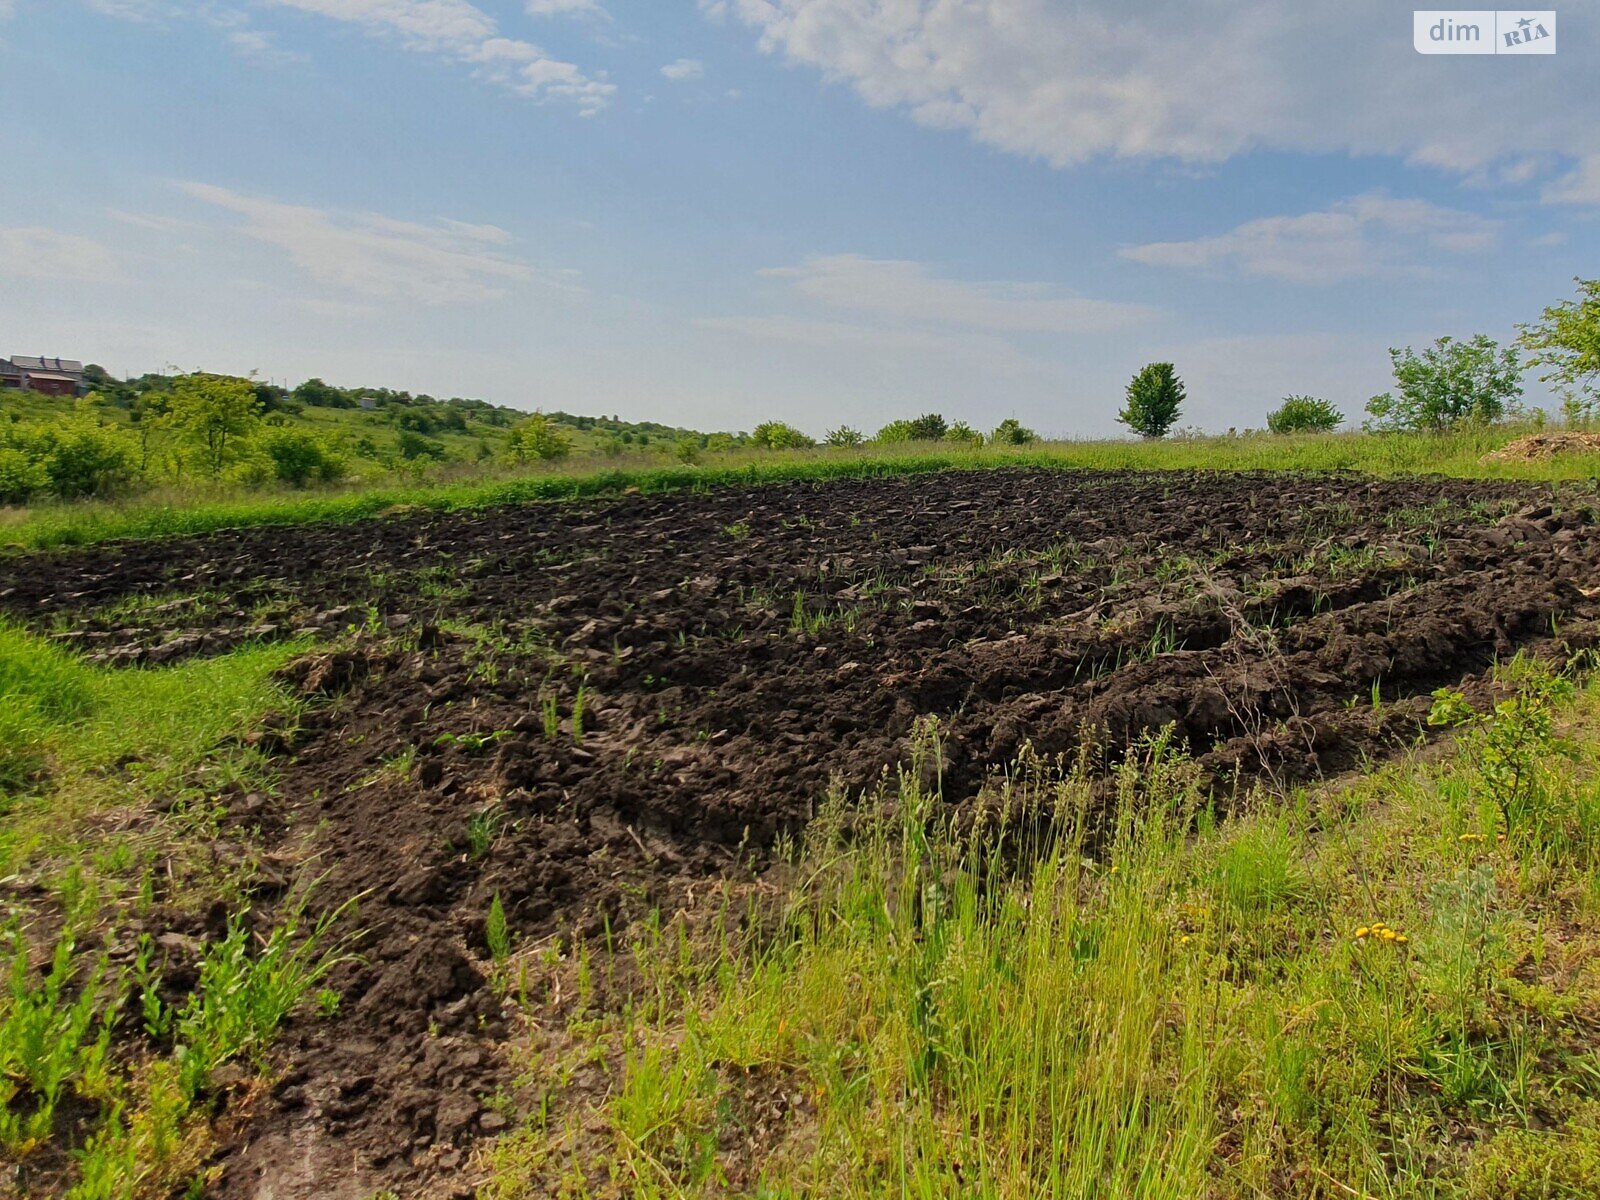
[(445, 263), (1372, 236), (565, 8), (462, 32), (684, 69), (35, 252), (1581, 186), (908, 291), (1179, 80)]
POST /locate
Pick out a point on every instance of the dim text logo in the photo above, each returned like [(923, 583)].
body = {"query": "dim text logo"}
[(1484, 31)]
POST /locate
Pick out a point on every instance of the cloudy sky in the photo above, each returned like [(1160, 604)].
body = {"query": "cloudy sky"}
[(720, 212)]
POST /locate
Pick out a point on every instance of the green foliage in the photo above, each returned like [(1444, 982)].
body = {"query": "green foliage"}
[(1567, 340), (413, 446), (300, 457), (775, 435), (1521, 1164), (246, 988), (50, 1040), (930, 427), (962, 434), (537, 440), (1450, 383), (1155, 399), (1012, 432), (844, 435), (496, 932), (1510, 745), (1304, 414), (22, 476), (321, 395), (215, 414)]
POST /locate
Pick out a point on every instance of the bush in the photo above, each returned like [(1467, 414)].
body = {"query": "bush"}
[(1448, 384), (85, 458), (775, 435), (21, 476), (300, 456), (1155, 398), (414, 446), (963, 434), (1012, 432), (1304, 414), (537, 440), (930, 427), (845, 435)]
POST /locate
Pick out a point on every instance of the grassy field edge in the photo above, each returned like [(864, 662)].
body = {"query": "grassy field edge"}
[(1459, 454)]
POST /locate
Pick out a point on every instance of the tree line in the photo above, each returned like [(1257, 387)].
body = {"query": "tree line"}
[(1443, 386)]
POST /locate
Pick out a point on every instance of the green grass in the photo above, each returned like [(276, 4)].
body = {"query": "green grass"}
[(48, 525), (1360, 992), (161, 747)]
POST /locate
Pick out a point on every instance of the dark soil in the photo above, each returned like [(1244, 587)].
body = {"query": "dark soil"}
[(738, 653)]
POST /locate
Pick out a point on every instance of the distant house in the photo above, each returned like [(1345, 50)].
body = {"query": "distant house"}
[(47, 376)]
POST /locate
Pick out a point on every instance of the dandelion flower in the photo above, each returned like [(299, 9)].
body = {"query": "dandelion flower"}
[(1389, 935), (1362, 932), (1401, 938)]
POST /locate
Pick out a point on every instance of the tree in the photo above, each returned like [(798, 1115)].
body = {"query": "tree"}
[(321, 395), (299, 456), (1447, 384), (775, 435), (1155, 397), (1304, 414), (929, 427), (1012, 432), (537, 439), (215, 413), (845, 435), (963, 434), (1567, 340)]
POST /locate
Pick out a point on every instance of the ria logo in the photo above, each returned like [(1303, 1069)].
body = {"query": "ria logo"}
[(1484, 31)]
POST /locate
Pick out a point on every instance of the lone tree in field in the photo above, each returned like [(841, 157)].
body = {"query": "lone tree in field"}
[(1450, 383), (215, 413), (1567, 340), (1304, 414), (1155, 397), (537, 439), (775, 435)]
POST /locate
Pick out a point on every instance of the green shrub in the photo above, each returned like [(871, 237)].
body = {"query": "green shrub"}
[(845, 435), (930, 427), (1012, 432), (300, 457), (963, 434), (775, 435), (414, 446), (535, 440), (1304, 414), (1450, 383), (21, 476)]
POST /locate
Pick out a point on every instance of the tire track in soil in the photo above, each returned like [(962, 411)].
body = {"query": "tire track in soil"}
[(1016, 606)]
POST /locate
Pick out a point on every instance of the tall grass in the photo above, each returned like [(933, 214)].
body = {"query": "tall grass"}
[(1459, 453), (1362, 992), (74, 739)]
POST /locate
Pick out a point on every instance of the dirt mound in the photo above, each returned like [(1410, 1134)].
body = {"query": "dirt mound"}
[(588, 711), (1539, 446)]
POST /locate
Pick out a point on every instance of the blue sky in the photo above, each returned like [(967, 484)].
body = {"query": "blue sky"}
[(821, 211)]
